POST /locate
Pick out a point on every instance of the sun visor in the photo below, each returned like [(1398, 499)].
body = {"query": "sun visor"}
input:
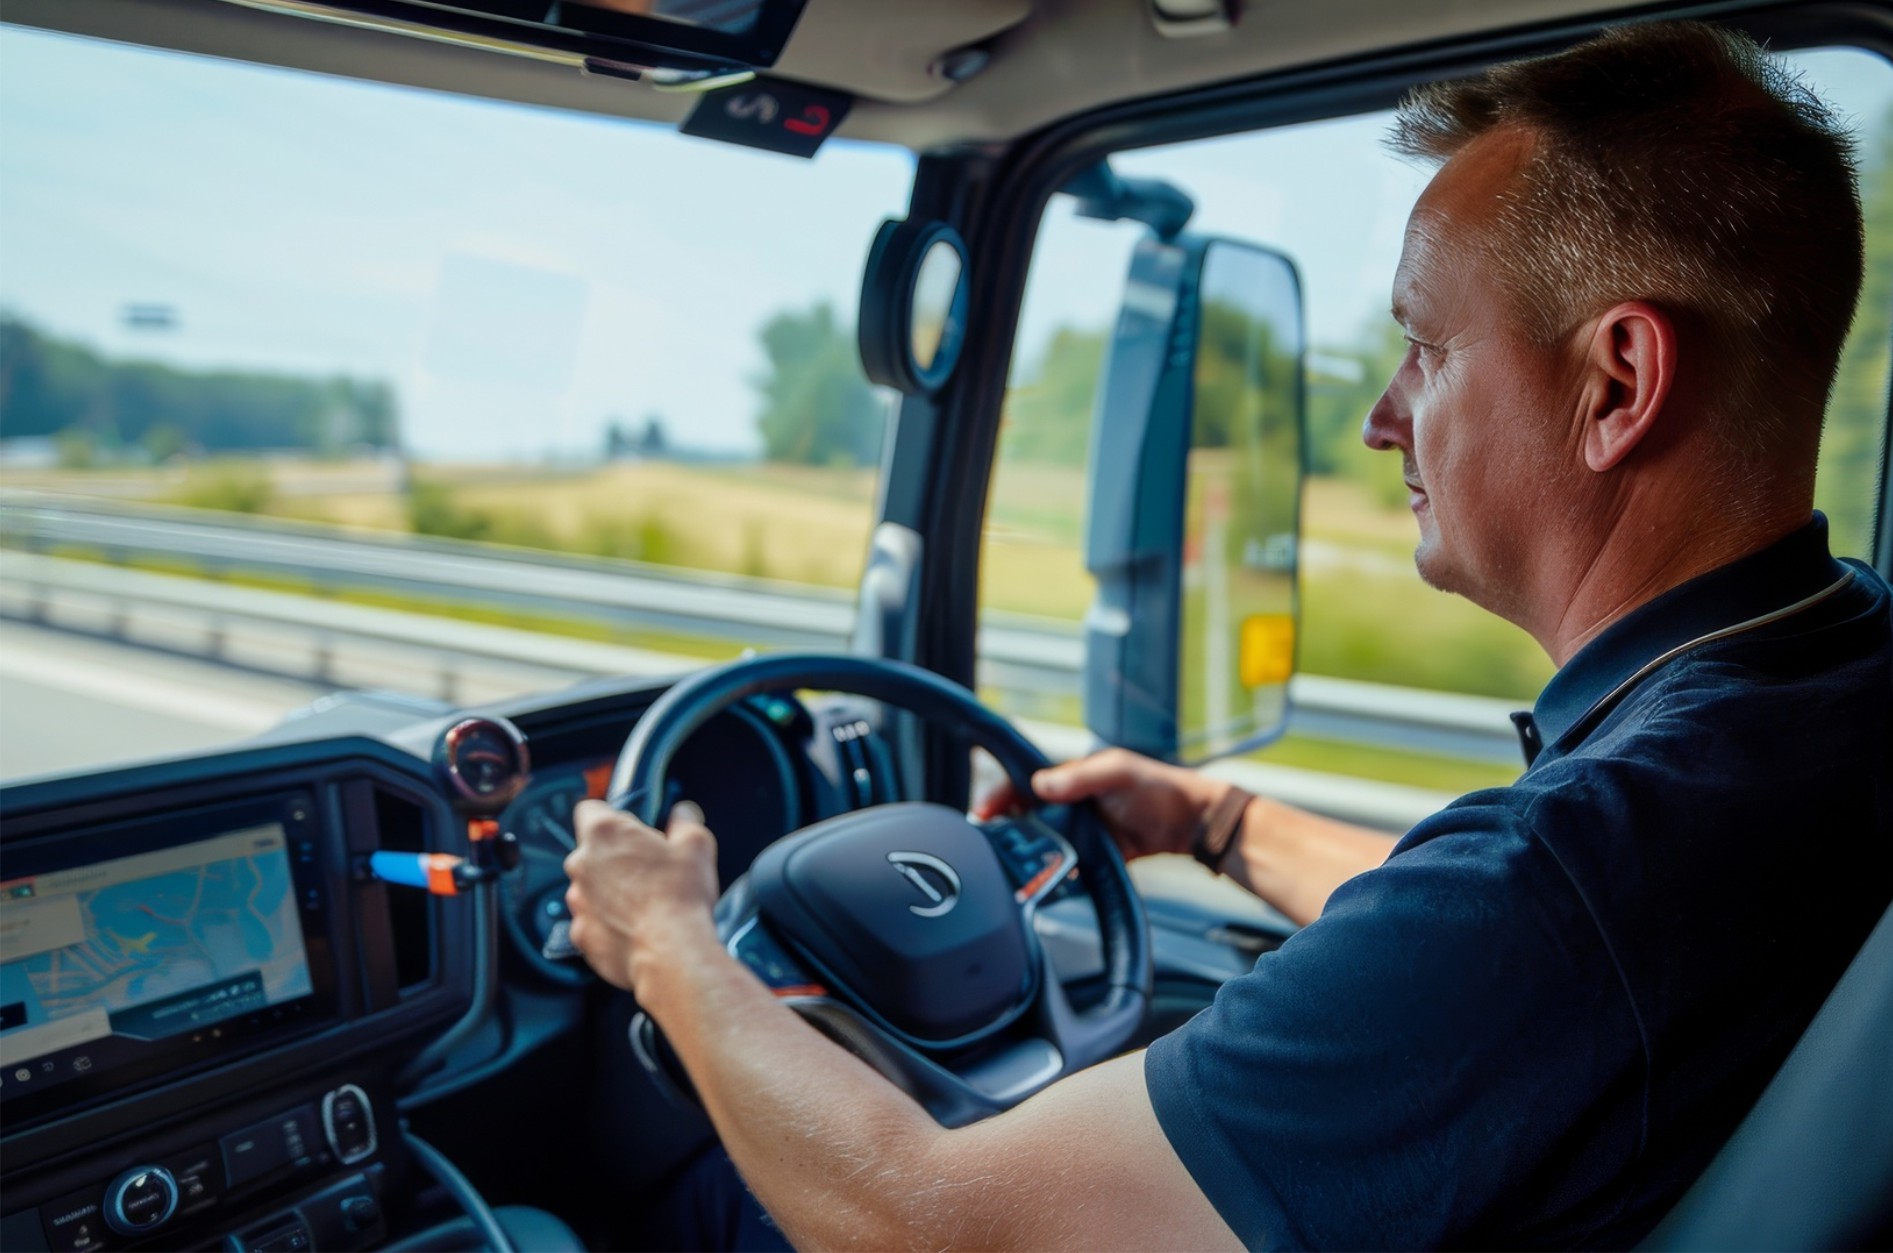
[(668, 42)]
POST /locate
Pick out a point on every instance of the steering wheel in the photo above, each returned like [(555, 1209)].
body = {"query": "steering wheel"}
[(904, 931)]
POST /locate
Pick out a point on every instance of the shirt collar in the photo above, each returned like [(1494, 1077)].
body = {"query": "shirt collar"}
[(1791, 569)]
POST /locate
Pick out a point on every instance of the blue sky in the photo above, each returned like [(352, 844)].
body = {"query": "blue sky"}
[(523, 275)]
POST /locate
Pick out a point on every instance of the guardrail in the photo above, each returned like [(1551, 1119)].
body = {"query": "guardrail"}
[(1032, 663), (335, 643)]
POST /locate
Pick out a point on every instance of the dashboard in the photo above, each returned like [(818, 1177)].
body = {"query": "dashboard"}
[(173, 942), (210, 1008), (219, 1024), (201, 996)]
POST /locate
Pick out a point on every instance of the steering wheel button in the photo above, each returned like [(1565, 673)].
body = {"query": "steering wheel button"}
[(758, 950)]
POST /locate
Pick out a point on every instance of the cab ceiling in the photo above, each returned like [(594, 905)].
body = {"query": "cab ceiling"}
[(1050, 58)]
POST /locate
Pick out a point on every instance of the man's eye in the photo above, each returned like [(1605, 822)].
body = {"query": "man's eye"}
[(1422, 347)]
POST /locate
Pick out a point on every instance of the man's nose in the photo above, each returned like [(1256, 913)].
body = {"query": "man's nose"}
[(1388, 424)]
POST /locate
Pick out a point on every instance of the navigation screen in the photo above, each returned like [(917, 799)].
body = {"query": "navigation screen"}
[(149, 947)]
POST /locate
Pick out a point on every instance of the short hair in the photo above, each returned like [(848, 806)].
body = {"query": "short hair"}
[(1674, 163)]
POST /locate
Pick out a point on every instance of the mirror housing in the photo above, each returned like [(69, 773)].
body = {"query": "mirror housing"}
[(1192, 532), (914, 302)]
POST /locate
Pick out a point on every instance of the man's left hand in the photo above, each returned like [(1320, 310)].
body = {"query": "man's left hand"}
[(638, 892)]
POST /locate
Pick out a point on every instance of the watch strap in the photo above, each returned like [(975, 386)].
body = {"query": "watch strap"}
[(1219, 827)]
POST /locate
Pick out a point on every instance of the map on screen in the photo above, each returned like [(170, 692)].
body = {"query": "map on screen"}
[(149, 946)]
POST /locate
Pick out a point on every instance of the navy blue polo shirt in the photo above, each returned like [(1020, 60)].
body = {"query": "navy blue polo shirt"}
[(1536, 1023)]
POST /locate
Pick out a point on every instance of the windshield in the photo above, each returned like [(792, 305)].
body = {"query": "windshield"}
[(257, 326)]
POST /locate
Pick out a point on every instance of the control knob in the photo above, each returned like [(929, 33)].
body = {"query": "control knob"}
[(140, 1200)]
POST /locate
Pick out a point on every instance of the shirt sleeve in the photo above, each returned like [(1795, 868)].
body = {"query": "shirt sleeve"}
[(1422, 1065)]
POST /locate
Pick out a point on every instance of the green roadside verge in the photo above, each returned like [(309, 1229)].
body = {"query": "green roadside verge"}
[(433, 606)]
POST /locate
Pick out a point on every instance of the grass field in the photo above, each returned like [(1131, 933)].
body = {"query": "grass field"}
[(1365, 614)]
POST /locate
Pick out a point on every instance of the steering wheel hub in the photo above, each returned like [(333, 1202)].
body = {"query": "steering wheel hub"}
[(907, 909)]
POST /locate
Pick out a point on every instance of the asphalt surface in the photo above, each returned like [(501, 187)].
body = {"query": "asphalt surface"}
[(75, 701), (69, 702), (1041, 662)]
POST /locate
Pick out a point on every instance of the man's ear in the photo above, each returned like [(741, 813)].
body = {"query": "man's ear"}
[(1632, 360)]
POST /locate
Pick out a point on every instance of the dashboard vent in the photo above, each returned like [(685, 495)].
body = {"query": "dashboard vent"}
[(402, 826)]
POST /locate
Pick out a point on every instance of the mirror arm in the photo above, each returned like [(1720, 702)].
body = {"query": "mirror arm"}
[(1101, 194)]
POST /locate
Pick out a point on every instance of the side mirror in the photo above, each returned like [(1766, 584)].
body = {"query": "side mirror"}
[(1193, 532)]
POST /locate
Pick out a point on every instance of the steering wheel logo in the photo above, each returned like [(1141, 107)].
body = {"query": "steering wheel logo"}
[(937, 881)]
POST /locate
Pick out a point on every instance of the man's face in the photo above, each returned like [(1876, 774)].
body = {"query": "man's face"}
[(1476, 408)]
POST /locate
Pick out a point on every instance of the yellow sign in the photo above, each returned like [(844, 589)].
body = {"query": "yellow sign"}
[(1266, 655)]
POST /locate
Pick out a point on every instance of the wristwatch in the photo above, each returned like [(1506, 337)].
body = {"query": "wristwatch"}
[(1217, 831)]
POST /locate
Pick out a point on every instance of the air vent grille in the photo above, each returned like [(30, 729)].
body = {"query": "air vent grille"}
[(402, 825)]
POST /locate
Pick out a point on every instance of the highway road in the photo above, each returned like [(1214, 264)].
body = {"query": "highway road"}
[(69, 702), (1034, 660)]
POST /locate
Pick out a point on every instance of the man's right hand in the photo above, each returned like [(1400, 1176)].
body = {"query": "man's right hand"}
[(1148, 806)]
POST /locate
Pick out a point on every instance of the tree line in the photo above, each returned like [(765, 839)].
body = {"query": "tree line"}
[(815, 407), (60, 389)]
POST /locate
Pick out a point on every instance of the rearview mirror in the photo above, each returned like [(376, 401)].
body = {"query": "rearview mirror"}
[(1193, 532)]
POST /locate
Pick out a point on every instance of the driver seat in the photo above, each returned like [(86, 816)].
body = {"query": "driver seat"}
[(1811, 1167)]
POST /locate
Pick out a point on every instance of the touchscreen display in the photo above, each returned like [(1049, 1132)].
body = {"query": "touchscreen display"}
[(146, 948)]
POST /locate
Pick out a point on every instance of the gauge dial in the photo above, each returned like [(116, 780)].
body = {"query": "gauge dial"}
[(549, 818), (737, 767), (483, 762), (534, 899)]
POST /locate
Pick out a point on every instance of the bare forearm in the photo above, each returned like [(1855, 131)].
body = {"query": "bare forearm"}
[(1294, 859), (841, 1159), (834, 1152), (1286, 856)]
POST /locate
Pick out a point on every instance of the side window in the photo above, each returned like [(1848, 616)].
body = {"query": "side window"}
[(1374, 638), (1861, 85)]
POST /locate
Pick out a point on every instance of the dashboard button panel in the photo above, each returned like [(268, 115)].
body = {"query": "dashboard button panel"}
[(199, 1178), (287, 1140), (360, 1213), (280, 1235), (75, 1223), (348, 1120)]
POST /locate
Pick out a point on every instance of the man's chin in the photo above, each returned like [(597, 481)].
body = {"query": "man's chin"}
[(1435, 571)]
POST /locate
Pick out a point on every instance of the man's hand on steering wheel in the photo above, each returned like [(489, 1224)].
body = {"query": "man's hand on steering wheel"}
[(636, 891), (1148, 806), (903, 930)]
